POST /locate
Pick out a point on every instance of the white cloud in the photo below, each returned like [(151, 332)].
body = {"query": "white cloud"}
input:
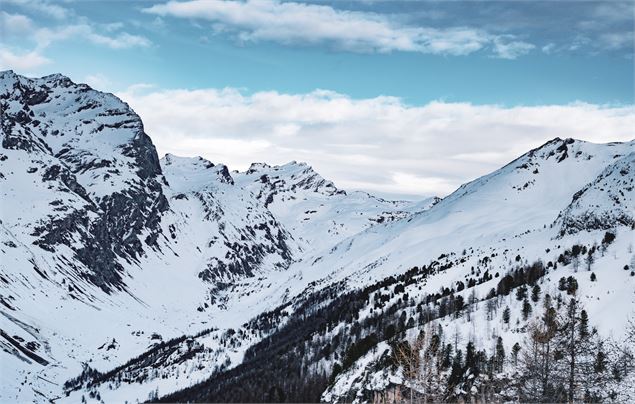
[(378, 144), (511, 49), (549, 48), (14, 24), (618, 40), (300, 23), (123, 40), (43, 7), (113, 26), (22, 62)]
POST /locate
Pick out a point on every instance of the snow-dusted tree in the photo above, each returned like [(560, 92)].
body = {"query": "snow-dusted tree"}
[(535, 293), (506, 315), (515, 350), (417, 362), (589, 259), (490, 309), (526, 310), (570, 343), (499, 355)]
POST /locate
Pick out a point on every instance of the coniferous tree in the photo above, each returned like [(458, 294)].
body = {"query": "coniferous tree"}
[(526, 309), (584, 325), (470, 358), (457, 371), (506, 315), (515, 350), (535, 294), (500, 355), (537, 381), (570, 345), (521, 292)]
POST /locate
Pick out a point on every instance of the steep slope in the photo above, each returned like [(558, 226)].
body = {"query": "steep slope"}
[(89, 236), (81, 174), (520, 200), (450, 272), (238, 232)]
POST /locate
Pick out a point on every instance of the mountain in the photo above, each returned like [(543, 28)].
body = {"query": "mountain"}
[(127, 277)]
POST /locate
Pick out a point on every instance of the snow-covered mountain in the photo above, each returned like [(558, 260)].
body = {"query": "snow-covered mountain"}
[(128, 277), (314, 209)]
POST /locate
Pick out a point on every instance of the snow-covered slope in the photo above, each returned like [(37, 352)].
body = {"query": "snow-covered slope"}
[(237, 233), (142, 274), (520, 201)]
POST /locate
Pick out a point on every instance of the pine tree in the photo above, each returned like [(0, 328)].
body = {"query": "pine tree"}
[(506, 315), (521, 292), (515, 350), (500, 355), (447, 357), (470, 358), (570, 345), (575, 342), (526, 309), (457, 370), (584, 325), (599, 364), (537, 367), (535, 294)]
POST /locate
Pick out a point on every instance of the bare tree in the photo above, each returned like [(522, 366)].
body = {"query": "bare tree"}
[(417, 360)]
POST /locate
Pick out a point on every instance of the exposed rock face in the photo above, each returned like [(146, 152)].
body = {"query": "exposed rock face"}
[(91, 145), (606, 202)]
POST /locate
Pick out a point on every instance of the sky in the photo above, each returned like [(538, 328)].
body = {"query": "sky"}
[(403, 99)]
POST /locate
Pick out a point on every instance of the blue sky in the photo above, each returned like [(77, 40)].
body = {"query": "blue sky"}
[(576, 51), (386, 55)]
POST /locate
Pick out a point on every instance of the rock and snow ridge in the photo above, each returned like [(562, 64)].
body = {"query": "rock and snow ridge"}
[(137, 250)]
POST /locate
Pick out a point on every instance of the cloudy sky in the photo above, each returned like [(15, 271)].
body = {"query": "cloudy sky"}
[(403, 99)]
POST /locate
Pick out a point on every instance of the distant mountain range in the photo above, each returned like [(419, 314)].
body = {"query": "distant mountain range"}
[(128, 277)]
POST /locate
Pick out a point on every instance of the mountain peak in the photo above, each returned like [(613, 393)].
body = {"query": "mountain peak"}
[(255, 167), (171, 159), (5, 74), (289, 177), (185, 174), (58, 78)]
